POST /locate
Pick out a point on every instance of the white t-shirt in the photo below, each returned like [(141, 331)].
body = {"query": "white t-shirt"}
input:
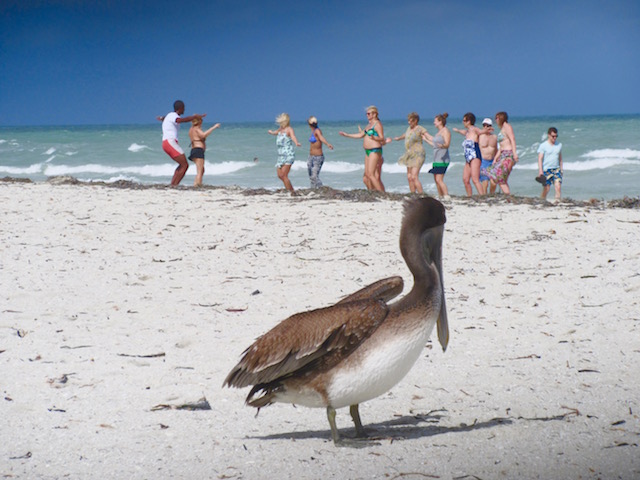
[(551, 158), (170, 126)]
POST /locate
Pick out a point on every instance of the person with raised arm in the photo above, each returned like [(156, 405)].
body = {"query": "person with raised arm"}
[(373, 140), (414, 155), (198, 146), (285, 140), (170, 127), (441, 159)]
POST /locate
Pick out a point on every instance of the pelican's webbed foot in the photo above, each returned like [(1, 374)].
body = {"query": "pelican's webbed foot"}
[(361, 440)]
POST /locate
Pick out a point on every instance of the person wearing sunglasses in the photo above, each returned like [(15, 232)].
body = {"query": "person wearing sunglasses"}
[(550, 164)]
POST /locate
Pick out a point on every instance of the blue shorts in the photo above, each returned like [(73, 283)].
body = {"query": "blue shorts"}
[(483, 166), (552, 175)]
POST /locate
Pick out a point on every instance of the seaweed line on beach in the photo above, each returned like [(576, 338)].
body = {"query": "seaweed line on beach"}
[(328, 193)]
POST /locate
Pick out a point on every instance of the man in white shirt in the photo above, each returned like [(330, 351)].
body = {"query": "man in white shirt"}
[(170, 126), (550, 164)]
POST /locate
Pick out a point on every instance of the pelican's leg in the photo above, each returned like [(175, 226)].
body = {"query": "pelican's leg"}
[(348, 442), (355, 415), (331, 416)]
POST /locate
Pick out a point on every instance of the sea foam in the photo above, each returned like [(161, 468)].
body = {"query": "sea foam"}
[(134, 147), (31, 169)]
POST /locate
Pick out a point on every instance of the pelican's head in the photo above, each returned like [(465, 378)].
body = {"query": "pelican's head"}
[(421, 247)]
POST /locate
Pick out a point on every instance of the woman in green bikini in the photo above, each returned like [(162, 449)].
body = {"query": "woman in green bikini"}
[(373, 136)]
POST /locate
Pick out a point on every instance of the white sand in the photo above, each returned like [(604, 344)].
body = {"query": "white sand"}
[(541, 378)]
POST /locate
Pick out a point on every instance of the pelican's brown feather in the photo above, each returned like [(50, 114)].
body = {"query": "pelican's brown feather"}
[(305, 337), (384, 290)]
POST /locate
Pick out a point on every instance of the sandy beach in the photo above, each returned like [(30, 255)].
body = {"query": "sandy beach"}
[(119, 307)]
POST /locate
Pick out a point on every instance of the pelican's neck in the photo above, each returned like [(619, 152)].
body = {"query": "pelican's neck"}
[(415, 252)]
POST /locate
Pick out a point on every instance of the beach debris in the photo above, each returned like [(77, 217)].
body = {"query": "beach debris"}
[(231, 309), (622, 444), (533, 355), (201, 404), (561, 416), (21, 333), (626, 202), (424, 475), (22, 457), (63, 180), (15, 180), (151, 355), (60, 381)]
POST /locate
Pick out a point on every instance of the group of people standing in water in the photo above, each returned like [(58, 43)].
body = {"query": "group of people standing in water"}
[(489, 158)]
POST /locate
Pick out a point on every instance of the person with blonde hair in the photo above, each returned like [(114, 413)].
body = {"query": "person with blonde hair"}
[(285, 140), (198, 146), (316, 157), (373, 140), (414, 156)]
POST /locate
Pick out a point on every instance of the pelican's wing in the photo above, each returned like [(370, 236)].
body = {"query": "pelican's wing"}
[(305, 337), (384, 290)]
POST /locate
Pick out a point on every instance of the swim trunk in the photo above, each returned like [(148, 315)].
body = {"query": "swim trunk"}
[(196, 153), (369, 151), (471, 150), (439, 168), (553, 175), (500, 170), (483, 166), (171, 147)]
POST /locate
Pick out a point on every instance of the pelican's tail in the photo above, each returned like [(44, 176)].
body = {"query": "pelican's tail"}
[(267, 392)]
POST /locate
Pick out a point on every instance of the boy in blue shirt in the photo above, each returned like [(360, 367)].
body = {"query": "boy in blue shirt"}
[(550, 164)]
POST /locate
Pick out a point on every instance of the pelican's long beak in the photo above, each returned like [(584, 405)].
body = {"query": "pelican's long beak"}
[(443, 324)]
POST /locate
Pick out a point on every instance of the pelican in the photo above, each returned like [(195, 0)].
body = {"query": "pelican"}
[(362, 346)]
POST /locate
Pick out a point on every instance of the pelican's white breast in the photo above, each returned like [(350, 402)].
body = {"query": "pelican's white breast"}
[(380, 362)]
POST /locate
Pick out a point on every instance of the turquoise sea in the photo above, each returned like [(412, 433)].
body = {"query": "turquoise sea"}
[(601, 155)]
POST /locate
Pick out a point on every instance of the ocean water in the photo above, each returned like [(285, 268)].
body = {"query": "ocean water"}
[(601, 155)]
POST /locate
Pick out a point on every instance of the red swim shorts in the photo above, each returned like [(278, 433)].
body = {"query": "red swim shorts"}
[(172, 148)]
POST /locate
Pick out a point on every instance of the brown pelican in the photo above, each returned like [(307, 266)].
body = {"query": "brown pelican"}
[(360, 347)]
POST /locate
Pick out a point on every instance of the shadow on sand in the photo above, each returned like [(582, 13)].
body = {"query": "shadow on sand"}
[(411, 427)]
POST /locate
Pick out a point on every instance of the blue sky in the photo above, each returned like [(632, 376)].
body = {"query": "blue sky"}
[(113, 62)]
